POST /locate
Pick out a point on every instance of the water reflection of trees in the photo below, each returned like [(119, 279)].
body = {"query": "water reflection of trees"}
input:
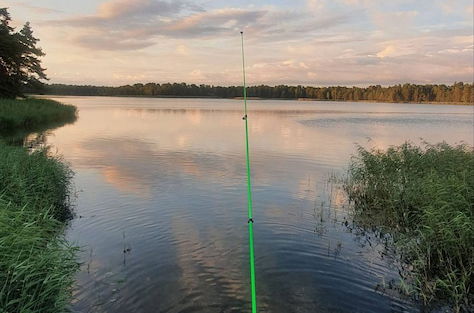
[(34, 138)]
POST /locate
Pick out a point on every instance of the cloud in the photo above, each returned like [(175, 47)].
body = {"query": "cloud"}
[(110, 42), (221, 21), (182, 50), (318, 42), (315, 5), (388, 51), (132, 24), (136, 24), (421, 58), (125, 8), (397, 22), (35, 9), (125, 13)]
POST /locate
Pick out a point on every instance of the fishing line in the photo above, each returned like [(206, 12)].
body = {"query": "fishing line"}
[(249, 190)]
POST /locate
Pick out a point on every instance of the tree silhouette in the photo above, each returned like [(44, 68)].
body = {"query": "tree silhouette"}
[(20, 64)]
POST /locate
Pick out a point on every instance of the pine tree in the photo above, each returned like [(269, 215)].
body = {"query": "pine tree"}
[(20, 64), (9, 50)]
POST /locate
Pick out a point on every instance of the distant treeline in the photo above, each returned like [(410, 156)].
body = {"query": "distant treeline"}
[(458, 92)]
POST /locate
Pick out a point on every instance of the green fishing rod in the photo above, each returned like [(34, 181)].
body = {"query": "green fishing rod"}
[(249, 190)]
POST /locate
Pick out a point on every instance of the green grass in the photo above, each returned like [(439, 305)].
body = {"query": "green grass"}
[(37, 265), (33, 114), (424, 196), (36, 179)]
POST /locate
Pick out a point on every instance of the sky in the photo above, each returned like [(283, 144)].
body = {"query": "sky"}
[(307, 42)]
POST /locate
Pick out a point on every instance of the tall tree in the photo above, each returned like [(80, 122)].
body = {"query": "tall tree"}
[(32, 70), (9, 52), (20, 64)]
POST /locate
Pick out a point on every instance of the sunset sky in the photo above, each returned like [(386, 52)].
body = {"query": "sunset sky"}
[(309, 42)]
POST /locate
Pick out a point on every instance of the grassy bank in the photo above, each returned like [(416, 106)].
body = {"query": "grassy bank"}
[(32, 114), (37, 265), (424, 196)]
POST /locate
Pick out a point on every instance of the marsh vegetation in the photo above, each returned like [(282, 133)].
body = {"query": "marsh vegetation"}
[(21, 118), (424, 197), (32, 114), (37, 265)]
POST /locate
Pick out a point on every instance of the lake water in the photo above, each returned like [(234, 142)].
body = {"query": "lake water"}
[(161, 202)]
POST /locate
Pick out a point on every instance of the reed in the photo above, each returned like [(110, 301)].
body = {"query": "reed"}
[(37, 265), (424, 196), (32, 113), (37, 179)]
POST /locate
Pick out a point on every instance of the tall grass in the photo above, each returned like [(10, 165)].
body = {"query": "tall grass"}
[(36, 266), (36, 179), (31, 113), (36, 263), (425, 197)]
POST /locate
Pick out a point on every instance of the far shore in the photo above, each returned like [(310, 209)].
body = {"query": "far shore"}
[(255, 98)]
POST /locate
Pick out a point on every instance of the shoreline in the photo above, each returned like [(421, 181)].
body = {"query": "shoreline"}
[(256, 99), (33, 219)]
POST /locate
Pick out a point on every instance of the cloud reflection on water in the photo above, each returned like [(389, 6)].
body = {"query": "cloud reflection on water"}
[(170, 174)]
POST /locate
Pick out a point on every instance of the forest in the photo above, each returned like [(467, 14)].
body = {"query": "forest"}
[(457, 93)]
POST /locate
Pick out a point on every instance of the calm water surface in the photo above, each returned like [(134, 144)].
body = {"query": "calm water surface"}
[(161, 206)]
